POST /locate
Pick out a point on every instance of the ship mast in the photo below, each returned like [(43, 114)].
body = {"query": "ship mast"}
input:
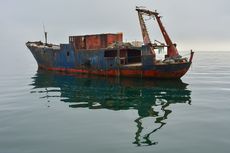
[(172, 50), (145, 34), (144, 30), (45, 33)]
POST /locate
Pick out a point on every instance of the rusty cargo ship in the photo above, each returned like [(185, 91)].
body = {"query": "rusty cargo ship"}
[(107, 54)]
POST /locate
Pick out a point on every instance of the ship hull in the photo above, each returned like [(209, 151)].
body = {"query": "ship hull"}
[(138, 72), (95, 62)]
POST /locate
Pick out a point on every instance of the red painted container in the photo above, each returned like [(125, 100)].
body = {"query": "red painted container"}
[(96, 41), (93, 42)]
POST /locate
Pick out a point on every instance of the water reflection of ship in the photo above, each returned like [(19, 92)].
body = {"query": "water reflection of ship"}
[(150, 98)]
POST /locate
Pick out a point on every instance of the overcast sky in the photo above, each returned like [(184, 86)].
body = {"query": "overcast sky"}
[(192, 24)]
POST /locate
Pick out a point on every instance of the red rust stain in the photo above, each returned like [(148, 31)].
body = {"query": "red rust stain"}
[(127, 73)]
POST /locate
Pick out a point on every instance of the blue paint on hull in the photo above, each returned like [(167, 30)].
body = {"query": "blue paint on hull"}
[(66, 57)]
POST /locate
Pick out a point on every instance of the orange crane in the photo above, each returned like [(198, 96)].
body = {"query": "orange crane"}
[(172, 51)]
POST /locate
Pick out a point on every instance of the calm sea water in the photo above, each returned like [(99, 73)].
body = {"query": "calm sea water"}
[(55, 113)]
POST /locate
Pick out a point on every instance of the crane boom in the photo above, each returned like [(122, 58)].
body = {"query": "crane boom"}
[(172, 50)]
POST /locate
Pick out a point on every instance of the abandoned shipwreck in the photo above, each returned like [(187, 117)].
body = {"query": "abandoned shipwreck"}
[(107, 54)]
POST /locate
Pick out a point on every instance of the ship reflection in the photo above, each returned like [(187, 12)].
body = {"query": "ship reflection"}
[(151, 98)]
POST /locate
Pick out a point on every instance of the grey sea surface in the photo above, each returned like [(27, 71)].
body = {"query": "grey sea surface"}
[(46, 112)]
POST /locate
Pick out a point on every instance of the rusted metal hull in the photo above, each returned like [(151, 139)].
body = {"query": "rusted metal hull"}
[(152, 73), (133, 62)]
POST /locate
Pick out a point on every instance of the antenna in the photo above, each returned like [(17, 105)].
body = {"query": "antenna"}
[(45, 33)]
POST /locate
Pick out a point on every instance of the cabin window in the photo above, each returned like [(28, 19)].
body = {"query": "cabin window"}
[(127, 56), (134, 56), (110, 53)]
